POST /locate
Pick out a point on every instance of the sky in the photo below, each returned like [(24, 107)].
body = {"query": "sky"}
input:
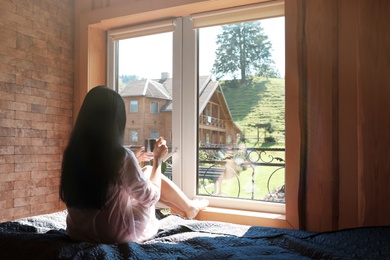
[(148, 56)]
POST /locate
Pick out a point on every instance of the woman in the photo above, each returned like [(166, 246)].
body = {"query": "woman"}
[(110, 199)]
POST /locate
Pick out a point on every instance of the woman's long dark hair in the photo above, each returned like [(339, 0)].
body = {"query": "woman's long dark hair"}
[(95, 153)]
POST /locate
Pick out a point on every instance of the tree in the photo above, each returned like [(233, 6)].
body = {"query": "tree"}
[(124, 80), (243, 48)]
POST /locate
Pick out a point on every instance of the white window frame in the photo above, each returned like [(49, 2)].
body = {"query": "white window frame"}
[(185, 92)]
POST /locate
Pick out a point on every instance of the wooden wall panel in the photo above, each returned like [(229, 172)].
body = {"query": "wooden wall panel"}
[(343, 64), (374, 112), (322, 116), (348, 208)]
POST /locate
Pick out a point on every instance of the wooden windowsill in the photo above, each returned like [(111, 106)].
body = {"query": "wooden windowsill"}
[(244, 217)]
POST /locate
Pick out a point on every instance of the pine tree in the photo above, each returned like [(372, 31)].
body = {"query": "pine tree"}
[(243, 49)]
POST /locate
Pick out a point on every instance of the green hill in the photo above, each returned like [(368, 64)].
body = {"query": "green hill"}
[(260, 101)]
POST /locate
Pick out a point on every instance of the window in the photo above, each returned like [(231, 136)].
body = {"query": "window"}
[(140, 77), (133, 106), (134, 136), (246, 99), (154, 107), (221, 127), (154, 135)]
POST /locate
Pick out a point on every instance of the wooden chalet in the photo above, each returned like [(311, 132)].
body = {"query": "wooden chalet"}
[(149, 112)]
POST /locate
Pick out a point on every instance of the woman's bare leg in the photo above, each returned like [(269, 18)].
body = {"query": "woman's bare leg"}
[(173, 197)]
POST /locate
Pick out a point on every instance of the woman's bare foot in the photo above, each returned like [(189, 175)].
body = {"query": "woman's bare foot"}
[(196, 206)]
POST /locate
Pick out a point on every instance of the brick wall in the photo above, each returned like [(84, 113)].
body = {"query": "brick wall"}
[(36, 94)]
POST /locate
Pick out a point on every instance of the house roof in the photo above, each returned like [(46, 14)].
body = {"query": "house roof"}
[(147, 88), (162, 89)]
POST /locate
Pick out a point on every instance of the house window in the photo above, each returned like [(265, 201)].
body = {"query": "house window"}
[(192, 79), (154, 107), (154, 134), (134, 136), (133, 106)]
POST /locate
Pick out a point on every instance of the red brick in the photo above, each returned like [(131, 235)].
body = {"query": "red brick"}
[(45, 207), (53, 181), (60, 88), (15, 88), (8, 114), (29, 166), (31, 184), (7, 96), (22, 142), (14, 68), (30, 82), (60, 134), (23, 42), (6, 204), (7, 141), (7, 77), (10, 16), (38, 199), (52, 197), (29, 150), (7, 132), (46, 77), (11, 105), (8, 37), (18, 202), (30, 116), (33, 133), (6, 214), (7, 159), (7, 167), (8, 6), (44, 174), (38, 141), (42, 190), (30, 99), (15, 194), (7, 149), (50, 166), (12, 176), (21, 212), (7, 185), (59, 103)]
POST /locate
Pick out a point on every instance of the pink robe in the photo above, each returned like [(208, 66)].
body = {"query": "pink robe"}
[(129, 214)]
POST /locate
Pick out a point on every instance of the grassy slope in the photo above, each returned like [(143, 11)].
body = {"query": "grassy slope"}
[(261, 102)]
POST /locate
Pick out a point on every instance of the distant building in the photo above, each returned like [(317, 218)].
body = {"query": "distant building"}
[(149, 112)]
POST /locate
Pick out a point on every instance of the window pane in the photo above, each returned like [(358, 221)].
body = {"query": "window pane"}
[(154, 135), (154, 107), (144, 80), (134, 106), (133, 136), (242, 117)]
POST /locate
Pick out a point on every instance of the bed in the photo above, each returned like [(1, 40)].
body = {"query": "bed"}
[(44, 237)]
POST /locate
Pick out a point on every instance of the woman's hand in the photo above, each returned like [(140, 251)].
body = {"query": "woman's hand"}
[(143, 156), (160, 149)]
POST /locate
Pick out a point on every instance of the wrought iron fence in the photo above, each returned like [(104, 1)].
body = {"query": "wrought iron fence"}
[(217, 164)]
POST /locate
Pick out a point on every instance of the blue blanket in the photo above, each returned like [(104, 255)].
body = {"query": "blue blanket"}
[(44, 237)]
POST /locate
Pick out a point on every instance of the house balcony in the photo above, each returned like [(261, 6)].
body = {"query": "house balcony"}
[(212, 122)]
